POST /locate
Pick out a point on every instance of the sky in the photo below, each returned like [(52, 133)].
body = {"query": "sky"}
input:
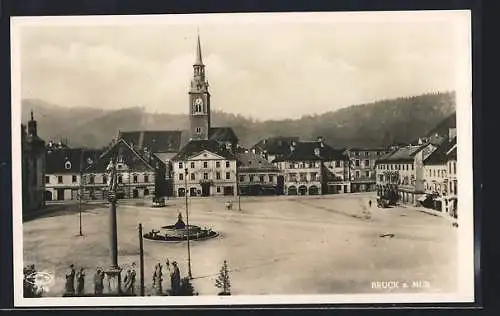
[(264, 66)]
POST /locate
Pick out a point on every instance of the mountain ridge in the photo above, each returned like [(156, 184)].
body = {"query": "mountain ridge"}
[(371, 124)]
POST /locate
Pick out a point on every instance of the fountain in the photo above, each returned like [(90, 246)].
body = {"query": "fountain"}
[(180, 232)]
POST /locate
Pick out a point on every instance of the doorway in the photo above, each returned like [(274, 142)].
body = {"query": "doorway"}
[(205, 189)]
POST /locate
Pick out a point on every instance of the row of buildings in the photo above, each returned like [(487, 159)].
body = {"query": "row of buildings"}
[(208, 161)]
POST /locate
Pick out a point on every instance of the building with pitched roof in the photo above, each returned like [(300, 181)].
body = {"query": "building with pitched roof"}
[(274, 147), (312, 168), (257, 176), (65, 167), (33, 167), (204, 168), (401, 171), (440, 178), (136, 173)]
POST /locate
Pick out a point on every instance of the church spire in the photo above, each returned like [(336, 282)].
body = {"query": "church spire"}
[(199, 60)]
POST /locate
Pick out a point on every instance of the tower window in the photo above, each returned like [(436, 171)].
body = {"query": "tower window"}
[(198, 130)]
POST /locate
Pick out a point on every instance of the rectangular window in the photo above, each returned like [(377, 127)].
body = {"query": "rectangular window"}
[(91, 179), (181, 176), (251, 178), (242, 178), (217, 175), (146, 178), (311, 165), (302, 176), (227, 164), (135, 178), (205, 176), (205, 164), (412, 167), (228, 176), (290, 166), (180, 165), (381, 178), (367, 174), (366, 154), (357, 173), (104, 179), (454, 167), (198, 130), (73, 179), (47, 179), (337, 163), (218, 189), (59, 179), (271, 179), (193, 177), (293, 176), (357, 163), (120, 179), (261, 179), (192, 164), (217, 164), (367, 163), (313, 176)]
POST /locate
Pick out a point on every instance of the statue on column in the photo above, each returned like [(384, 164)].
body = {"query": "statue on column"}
[(70, 281), (157, 280), (112, 180), (80, 282), (99, 282)]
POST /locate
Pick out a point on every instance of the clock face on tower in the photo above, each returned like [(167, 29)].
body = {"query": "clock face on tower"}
[(198, 101)]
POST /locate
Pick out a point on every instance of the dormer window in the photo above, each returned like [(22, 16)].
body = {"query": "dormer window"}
[(67, 165)]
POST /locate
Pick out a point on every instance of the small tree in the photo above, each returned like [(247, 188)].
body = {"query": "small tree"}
[(222, 282), (187, 288)]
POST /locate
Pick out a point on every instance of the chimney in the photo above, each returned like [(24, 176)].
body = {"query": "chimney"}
[(32, 126), (452, 133)]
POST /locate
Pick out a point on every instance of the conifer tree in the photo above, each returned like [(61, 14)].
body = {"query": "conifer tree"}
[(222, 282)]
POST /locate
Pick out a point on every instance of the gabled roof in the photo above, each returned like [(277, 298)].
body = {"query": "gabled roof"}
[(222, 134), (134, 160), (439, 156), (312, 151), (66, 160), (402, 154), (275, 145), (250, 162), (155, 141), (195, 147), (367, 149)]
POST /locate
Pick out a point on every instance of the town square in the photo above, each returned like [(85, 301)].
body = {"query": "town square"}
[(278, 245)]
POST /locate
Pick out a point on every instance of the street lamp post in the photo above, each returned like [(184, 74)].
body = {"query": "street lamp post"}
[(80, 193), (187, 222)]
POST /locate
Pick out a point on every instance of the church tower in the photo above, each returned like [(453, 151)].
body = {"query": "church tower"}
[(199, 100)]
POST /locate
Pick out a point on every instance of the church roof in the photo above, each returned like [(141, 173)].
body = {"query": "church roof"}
[(222, 134), (199, 60), (155, 141), (195, 147)]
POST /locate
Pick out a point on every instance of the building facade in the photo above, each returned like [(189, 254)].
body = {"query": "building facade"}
[(204, 168), (362, 173), (257, 176), (313, 168), (65, 166), (33, 167), (136, 172), (402, 172)]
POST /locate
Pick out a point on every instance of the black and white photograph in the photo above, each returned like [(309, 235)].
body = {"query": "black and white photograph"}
[(243, 158)]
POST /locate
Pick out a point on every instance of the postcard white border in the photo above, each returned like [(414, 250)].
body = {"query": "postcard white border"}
[(462, 20)]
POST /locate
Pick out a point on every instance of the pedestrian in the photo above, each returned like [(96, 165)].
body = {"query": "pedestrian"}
[(98, 282), (80, 282), (70, 281)]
